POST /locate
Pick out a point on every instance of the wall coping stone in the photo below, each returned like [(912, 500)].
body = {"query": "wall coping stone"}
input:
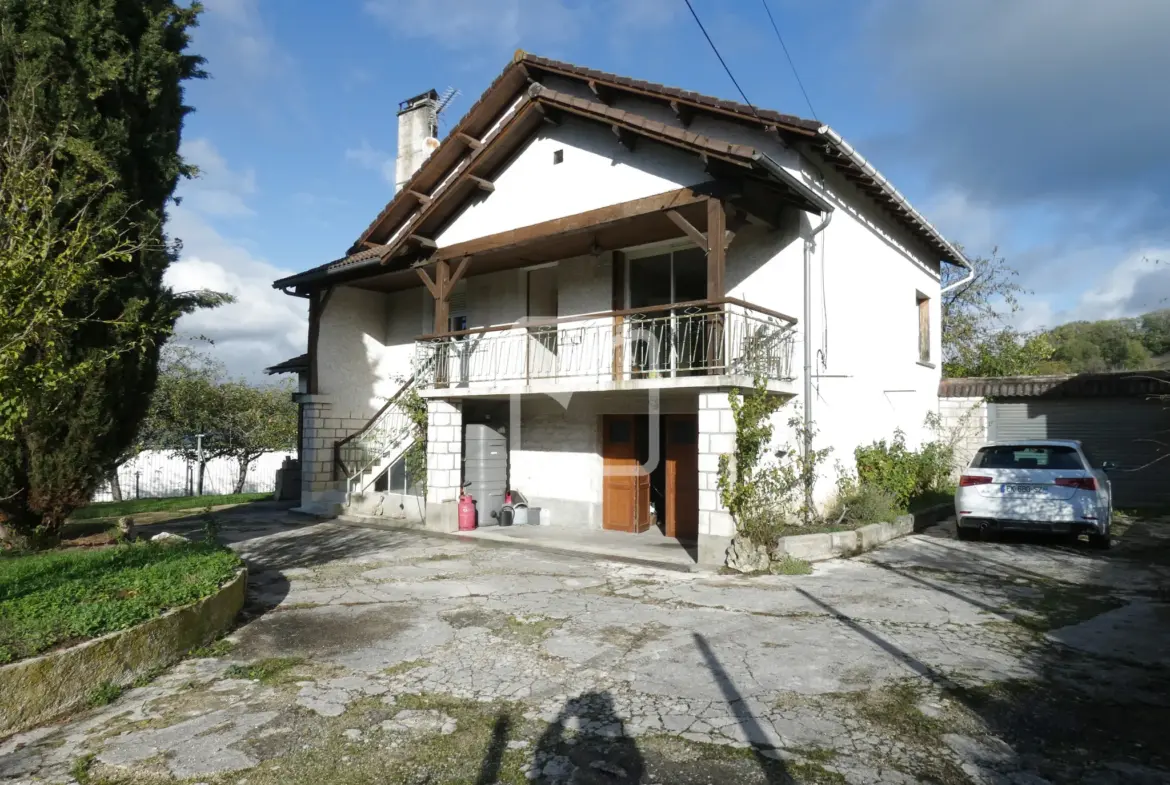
[(36, 690)]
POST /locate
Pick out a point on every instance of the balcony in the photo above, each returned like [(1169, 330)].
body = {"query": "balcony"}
[(704, 343)]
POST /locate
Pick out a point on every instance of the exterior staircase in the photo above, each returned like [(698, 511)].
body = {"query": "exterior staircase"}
[(362, 457)]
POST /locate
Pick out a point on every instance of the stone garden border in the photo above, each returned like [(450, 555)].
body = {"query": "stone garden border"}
[(818, 547), (38, 689)]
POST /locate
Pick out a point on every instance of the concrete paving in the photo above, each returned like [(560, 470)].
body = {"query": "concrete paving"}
[(370, 656)]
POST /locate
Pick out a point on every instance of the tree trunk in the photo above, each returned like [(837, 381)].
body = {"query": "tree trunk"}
[(115, 486), (242, 474)]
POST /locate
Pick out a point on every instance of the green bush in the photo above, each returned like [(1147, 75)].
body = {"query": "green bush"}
[(858, 504), (901, 472)]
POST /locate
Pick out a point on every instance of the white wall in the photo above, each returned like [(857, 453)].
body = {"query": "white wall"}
[(159, 473), (596, 172), (354, 368), (558, 464)]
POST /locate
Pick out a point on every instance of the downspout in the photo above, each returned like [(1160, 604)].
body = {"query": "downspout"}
[(810, 244), (962, 262)]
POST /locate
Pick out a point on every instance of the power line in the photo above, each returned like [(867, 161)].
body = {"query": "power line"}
[(791, 64), (721, 61)]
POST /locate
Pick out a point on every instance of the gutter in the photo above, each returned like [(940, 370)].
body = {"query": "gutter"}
[(858, 160), (795, 183)]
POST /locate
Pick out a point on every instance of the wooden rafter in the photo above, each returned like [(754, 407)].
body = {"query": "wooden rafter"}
[(684, 113), (481, 183), (423, 198), (424, 242), (603, 93), (469, 140), (625, 136)]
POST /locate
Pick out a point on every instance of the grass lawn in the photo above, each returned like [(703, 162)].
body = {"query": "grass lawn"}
[(136, 506), (63, 597)]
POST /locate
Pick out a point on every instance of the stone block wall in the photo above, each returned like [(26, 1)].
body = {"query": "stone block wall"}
[(444, 464), (964, 424), (324, 424), (716, 437)]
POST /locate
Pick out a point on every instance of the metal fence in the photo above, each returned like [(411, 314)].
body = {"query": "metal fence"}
[(159, 473)]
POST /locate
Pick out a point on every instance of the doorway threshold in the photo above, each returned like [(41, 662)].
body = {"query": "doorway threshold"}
[(651, 547)]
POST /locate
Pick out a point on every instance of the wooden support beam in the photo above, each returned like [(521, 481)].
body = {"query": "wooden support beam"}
[(618, 303), (575, 224), (688, 228), (442, 297), (456, 276), (603, 93), (716, 248), (370, 244), (426, 279), (683, 112), (425, 242), (469, 140), (482, 184), (421, 197), (627, 139)]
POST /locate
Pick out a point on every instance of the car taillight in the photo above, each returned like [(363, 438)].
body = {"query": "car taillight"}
[(973, 479), (1080, 483)]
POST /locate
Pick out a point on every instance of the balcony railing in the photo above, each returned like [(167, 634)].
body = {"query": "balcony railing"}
[(700, 338)]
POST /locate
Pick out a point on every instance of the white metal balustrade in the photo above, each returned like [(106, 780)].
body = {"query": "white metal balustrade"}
[(704, 338)]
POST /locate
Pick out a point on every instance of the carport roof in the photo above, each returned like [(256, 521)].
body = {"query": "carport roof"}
[(1085, 385)]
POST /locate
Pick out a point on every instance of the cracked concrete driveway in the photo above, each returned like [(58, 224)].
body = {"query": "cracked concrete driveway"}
[(388, 656)]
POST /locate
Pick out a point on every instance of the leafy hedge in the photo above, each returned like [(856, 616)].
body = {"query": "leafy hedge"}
[(63, 597), (903, 473)]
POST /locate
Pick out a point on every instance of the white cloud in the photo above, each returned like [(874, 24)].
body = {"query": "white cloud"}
[(373, 159), (263, 326), (218, 190)]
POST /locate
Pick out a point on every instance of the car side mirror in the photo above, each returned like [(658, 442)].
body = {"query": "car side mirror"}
[(1108, 465)]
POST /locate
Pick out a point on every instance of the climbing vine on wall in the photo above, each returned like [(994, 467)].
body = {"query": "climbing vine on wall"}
[(763, 495), (415, 457)]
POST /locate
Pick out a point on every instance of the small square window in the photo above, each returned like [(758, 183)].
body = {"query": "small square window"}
[(558, 156)]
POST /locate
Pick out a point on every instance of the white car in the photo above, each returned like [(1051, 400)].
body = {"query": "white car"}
[(1042, 486)]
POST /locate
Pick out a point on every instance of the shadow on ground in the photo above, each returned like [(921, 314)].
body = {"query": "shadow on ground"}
[(1095, 712)]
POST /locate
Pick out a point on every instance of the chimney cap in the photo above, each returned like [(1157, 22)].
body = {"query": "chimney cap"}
[(430, 96)]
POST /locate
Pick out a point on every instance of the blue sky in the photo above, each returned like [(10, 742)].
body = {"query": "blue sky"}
[(1038, 127)]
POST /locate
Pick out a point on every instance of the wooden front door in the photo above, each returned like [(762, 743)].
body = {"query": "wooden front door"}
[(625, 486), (682, 476)]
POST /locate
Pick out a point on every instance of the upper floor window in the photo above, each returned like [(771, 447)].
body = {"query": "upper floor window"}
[(923, 327)]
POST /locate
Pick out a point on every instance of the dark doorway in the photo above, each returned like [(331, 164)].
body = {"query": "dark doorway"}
[(651, 474)]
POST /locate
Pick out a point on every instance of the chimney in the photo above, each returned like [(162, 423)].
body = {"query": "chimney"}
[(418, 126)]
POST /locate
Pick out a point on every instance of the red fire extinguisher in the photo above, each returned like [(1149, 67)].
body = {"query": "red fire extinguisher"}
[(466, 512)]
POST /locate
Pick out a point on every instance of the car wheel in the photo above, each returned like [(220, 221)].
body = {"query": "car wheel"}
[(966, 535), (1100, 541)]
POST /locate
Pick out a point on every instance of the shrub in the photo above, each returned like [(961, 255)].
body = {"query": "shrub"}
[(859, 503), (901, 472)]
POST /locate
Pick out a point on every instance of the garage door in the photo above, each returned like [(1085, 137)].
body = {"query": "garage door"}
[(1123, 430)]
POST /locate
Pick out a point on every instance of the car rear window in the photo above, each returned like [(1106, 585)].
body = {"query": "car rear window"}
[(1027, 457)]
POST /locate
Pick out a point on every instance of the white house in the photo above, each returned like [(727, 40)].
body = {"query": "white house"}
[(574, 280)]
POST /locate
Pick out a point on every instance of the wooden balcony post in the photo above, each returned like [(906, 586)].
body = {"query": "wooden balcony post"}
[(716, 267), (442, 294)]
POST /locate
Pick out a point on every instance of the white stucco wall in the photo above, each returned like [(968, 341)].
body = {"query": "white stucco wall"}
[(596, 171), (354, 369)]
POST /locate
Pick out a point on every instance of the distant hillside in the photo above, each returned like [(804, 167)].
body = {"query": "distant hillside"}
[(1111, 344)]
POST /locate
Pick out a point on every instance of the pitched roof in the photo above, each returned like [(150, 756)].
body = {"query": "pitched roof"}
[(425, 200), (1085, 385), (297, 364)]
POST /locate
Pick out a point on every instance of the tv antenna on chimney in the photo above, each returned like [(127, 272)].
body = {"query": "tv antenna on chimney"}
[(449, 95)]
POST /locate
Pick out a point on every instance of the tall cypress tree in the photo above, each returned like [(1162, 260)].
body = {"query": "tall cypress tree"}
[(107, 78)]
